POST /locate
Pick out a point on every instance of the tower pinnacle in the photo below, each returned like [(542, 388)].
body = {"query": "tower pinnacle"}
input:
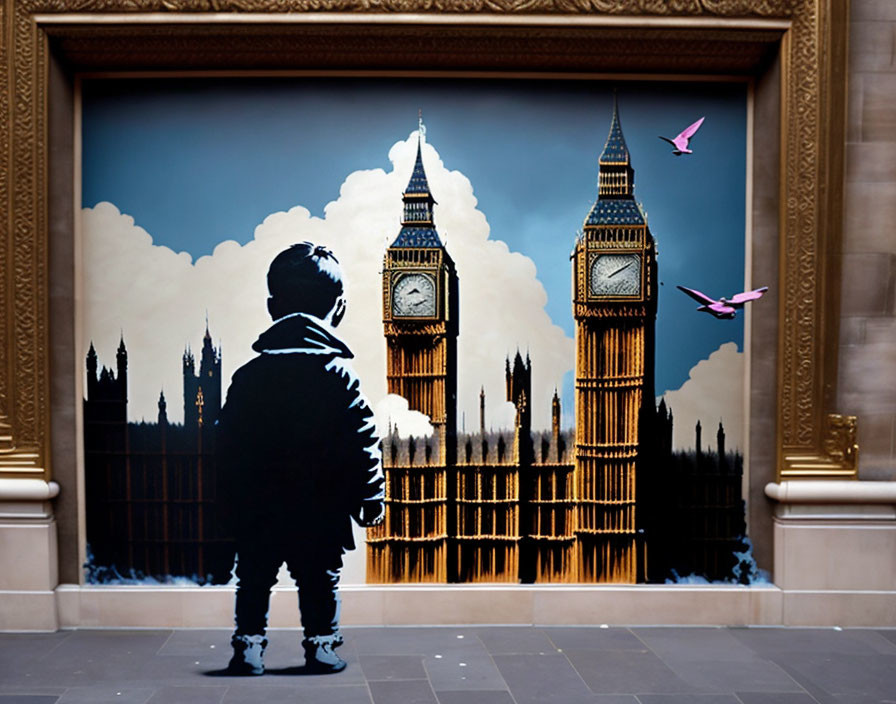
[(615, 150), (615, 203), (417, 223)]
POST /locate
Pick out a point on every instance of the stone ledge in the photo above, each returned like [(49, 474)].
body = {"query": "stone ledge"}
[(831, 492), (615, 605), (404, 605), (23, 500), (27, 490)]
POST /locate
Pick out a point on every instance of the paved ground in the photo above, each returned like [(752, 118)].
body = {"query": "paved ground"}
[(462, 665)]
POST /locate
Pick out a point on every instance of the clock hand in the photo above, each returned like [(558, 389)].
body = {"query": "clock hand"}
[(414, 290), (620, 269)]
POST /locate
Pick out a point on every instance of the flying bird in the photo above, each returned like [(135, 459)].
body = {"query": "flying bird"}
[(681, 141), (724, 307)]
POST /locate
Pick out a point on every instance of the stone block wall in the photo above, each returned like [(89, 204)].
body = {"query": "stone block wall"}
[(867, 379)]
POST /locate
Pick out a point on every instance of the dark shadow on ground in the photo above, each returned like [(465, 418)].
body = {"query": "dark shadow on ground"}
[(297, 670), (293, 671), (224, 672)]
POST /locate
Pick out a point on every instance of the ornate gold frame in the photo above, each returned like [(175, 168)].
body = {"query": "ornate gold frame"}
[(806, 38)]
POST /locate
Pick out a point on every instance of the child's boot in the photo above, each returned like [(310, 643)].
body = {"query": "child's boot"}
[(248, 655), (320, 654)]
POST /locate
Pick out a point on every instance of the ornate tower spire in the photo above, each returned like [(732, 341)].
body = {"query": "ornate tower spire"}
[(418, 227), (163, 409), (519, 388), (555, 414), (121, 357), (92, 365), (91, 360), (617, 178)]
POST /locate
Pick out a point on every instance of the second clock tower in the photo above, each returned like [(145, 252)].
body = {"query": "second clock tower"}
[(614, 304)]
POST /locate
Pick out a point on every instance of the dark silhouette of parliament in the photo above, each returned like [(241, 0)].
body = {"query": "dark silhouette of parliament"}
[(150, 486), (607, 502)]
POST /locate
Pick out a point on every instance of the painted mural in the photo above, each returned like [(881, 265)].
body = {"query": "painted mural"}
[(544, 305)]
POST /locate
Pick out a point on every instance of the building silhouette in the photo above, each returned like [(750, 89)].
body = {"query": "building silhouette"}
[(610, 502), (150, 486), (202, 391), (702, 500)]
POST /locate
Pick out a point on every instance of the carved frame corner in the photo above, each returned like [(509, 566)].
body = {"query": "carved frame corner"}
[(812, 50), (839, 457)]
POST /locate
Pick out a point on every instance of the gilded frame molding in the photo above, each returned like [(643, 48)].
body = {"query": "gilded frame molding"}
[(809, 37)]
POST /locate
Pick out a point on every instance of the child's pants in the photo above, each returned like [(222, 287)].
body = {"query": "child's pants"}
[(315, 571)]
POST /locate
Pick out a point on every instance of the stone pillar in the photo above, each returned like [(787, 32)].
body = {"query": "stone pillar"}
[(28, 554), (835, 552)]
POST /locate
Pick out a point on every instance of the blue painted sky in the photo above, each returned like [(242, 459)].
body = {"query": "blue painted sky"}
[(196, 162)]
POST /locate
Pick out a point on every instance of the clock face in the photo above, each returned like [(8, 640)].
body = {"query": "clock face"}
[(615, 275), (414, 296)]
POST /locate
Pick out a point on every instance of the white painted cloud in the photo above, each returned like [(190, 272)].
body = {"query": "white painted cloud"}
[(159, 298), (504, 417), (393, 412), (713, 392)]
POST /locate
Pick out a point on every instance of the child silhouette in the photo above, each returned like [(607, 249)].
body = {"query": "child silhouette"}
[(297, 457)]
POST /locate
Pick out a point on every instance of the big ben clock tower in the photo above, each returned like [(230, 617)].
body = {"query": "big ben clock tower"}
[(420, 304), (614, 304), (415, 542)]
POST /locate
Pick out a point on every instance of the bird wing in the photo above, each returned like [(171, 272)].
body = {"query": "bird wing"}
[(697, 296), (666, 139), (689, 131), (748, 295)]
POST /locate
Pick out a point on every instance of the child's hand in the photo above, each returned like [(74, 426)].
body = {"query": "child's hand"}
[(371, 513)]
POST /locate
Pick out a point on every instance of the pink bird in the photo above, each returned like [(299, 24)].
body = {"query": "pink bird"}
[(724, 307), (681, 141)]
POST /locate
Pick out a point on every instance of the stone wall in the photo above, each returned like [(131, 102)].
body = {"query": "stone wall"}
[(867, 380)]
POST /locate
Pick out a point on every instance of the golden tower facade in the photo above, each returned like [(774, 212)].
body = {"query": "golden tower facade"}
[(614, 305), (420, 319), (550, 510), (488, 510)]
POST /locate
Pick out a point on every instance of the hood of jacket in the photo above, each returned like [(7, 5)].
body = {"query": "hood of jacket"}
[(301, 333)]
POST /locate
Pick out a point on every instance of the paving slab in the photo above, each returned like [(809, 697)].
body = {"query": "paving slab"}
[(475, 697), (107, 694), (688, 699), (392, 667), (754, 674), (588, 638), (407, 692), (189, 695), (695, 644), (626, 672), (776, 698), (872, 675), (543, 678), (515, 640)]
